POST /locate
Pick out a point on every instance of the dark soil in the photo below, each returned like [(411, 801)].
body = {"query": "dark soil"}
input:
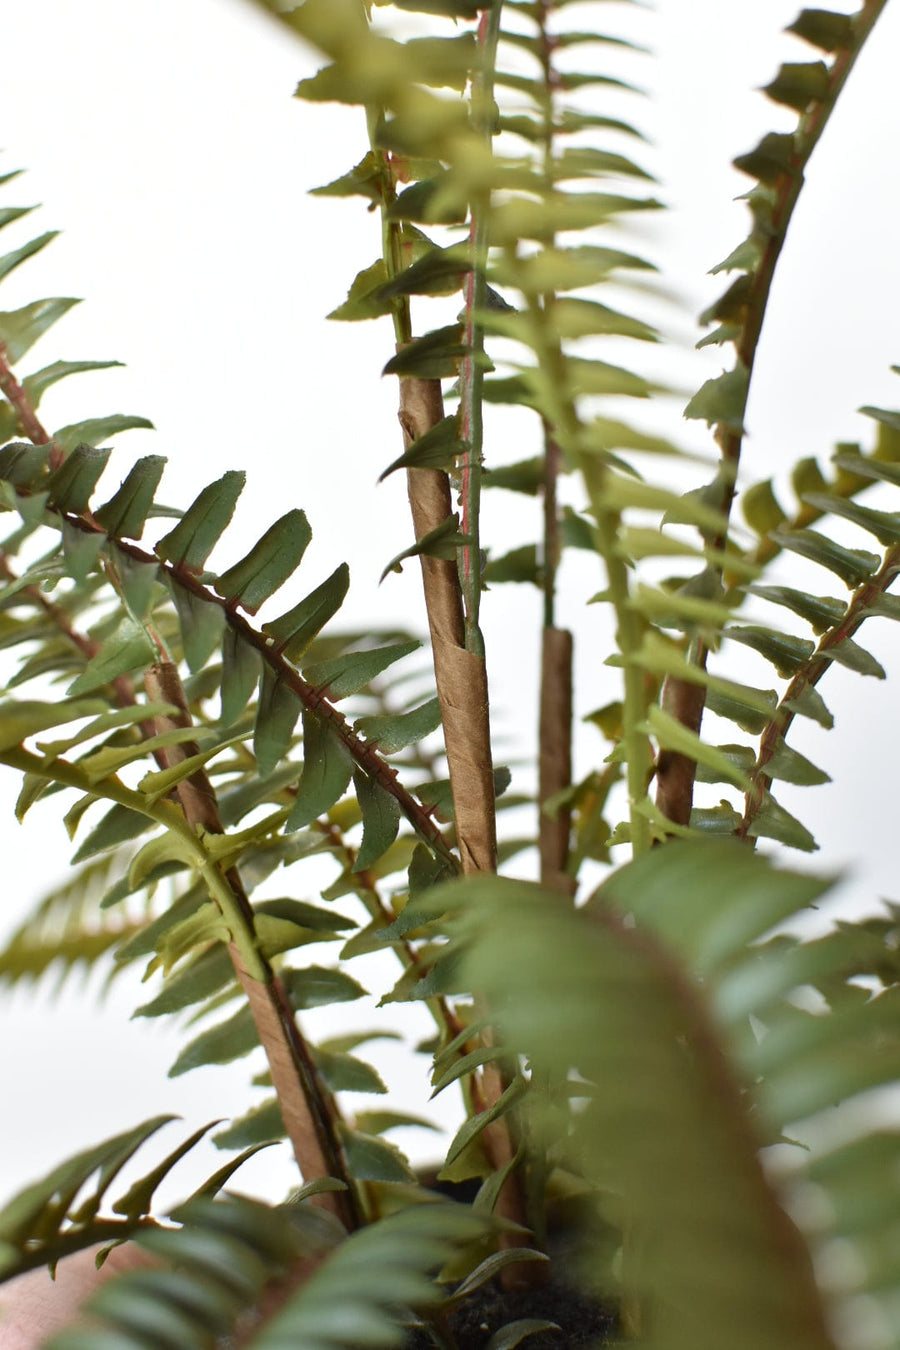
[(583, 1321)]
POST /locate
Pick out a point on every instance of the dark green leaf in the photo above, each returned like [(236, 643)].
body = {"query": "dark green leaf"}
[(514, 1333), (520, 564), (201, 622), (81, 550), (365, 299), (747, 716), (97, 429), (204, 976), (318, 987), (395, 731), (440, 271), (771, 821), (809, 703), (772, 157), (294, 631), (347, 674), (365, 179), (820, 611), (852, 565), (381, 820), (823, 28), (787, 653), (268, 564), (138, 581), (127, 649), (526, 476), (346, 1073), (118, 826), (327, 766), (10, 261), (379, 1122), (431, 357), (221, 1044), (36, 385), (792, 767), (261, 1125), (22, 464), (799, 83), (849, 653), (439, 448), (240, 673), (21, 328), (441, 542), (139, 1197), (884, 525), (193, 538), (276, 716), (721, 401), (123, 516), (450, 9), (372, 1159), (70, 487)]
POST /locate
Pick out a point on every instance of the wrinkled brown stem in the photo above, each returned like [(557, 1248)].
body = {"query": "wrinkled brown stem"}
[(555, 758), (308, 1108)]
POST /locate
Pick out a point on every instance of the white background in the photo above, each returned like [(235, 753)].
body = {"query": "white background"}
[(163, 140)]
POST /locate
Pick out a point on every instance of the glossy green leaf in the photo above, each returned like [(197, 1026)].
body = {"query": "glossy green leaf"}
[(124, 515), (365, 299), (441, 542), (94, 430), (381, 820), (371, 1158), (193, 538), (799, 83), (884, 525), (74, 481), (392, 732), (820, 611), (294, 631), (431, 357), (721, 401), (202, 624), (439, 448), (852, 565), (21, 328), (127, 649), (268, 564), (748, 717), (772, 821), (347, 674), (327, 766), (22, 463), (241, 668), (825, 29), (276, 716), (10, 261)]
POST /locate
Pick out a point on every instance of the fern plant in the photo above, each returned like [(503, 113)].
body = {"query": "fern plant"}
[(638, 1058)]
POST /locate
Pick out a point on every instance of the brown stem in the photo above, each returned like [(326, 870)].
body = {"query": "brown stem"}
[(308, 1108), (555, 758), (28, 418), (461, 679)]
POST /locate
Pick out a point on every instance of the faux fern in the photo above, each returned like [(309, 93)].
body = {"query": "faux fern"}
[(650, 1063)]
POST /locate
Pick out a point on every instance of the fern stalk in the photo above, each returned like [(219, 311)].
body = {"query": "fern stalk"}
[(682, 699)]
